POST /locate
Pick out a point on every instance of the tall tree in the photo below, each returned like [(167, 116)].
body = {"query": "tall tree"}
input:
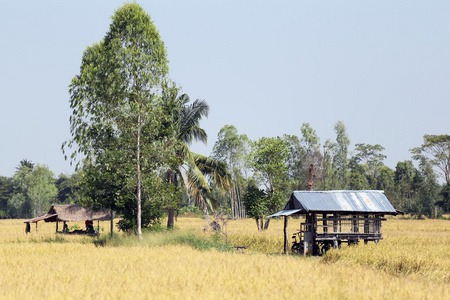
[(35, 191), (436, 149), (41, 189), (6, 192), (340, 157), (190, 172), (116, 117), (231, 148), (385, 182), (269, 157), (372, 158), (427, 190), (405, 174), (357, 177), (311, 156), (68, 187), (256, 204)]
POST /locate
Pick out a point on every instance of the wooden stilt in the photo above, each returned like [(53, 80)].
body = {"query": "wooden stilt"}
[(286, 246), (112, 222)]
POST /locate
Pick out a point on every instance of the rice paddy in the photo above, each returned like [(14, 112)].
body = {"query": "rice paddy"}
[(412, 262)]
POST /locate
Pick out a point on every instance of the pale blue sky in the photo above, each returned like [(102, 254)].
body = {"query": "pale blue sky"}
[(382, 67)]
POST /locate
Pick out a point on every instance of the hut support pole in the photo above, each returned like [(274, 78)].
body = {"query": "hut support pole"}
[(57, 226), (112, 222), (36, 227), (286, 246)]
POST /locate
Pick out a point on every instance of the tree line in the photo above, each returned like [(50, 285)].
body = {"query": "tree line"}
[(131, 128), (261, 175), (283, 164)]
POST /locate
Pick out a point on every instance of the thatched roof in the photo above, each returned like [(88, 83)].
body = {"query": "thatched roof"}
[(40, 218), (75, 213)]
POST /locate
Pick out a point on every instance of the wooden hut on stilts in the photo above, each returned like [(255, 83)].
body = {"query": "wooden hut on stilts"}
[(335, 217)]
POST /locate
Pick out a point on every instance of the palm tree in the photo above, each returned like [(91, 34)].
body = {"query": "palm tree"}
[(195, 172)]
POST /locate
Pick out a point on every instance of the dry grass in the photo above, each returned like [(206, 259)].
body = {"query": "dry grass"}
[(412, 262)]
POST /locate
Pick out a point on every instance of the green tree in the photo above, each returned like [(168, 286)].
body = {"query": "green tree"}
[(269, 161), (329, 180), (444, 202), (436, 149), (357, 177), (116, 115), (35, 191), (372, 158), (231, 148), (256, 204), (191, 172), (68, 187), (6, 192), (294, 162), (405, 173), (427, 190), (20, 206), (340, 156), (385, 182), (311, 156), (41, 189)]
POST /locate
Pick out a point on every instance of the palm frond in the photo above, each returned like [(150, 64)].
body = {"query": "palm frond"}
[(190, 122), (215, 170)]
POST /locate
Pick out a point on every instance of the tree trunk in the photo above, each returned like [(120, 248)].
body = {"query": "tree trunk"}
[(286, 244), (257, 224), (112, 222), (138, 168), (266, 226), (232, 204), (170, 218)]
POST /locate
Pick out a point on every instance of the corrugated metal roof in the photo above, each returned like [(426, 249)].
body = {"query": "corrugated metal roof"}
[(366, 201), (285, 213)]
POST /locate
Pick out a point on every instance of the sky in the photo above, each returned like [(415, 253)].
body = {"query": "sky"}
[(266, 67)]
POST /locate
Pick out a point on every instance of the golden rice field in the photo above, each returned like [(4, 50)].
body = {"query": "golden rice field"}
[(412, 262)]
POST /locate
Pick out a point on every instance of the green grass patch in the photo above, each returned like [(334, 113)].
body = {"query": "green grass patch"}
[(173, 237)]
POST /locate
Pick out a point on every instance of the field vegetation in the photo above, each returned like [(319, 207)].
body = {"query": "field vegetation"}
[(412, 262)]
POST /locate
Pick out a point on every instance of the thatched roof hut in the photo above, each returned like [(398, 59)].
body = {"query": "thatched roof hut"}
[(71, 213), (75, 213)]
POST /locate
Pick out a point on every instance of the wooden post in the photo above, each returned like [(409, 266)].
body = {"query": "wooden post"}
[(36, 227), (112, 222), (355, 223), (286, 246), (325, 224), (335, 222), (57, 226)]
